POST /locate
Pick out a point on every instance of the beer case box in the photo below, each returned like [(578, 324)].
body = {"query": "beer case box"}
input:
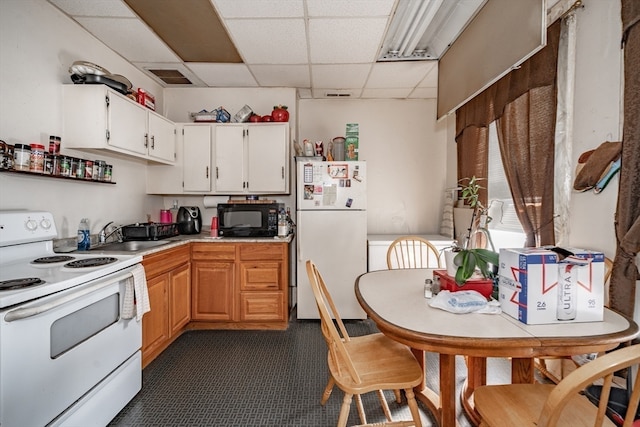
[(531, 279)]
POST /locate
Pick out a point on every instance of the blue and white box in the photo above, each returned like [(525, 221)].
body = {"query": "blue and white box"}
[(536, 287)]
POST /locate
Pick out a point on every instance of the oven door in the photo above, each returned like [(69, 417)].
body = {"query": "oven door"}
[(56, 349)]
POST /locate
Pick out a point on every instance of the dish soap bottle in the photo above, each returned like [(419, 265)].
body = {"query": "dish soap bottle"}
[(84, 237)]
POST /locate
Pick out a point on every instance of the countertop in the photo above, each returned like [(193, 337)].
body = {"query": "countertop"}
[(180, 240)]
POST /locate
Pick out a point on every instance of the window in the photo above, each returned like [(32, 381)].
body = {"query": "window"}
[(505, 228)]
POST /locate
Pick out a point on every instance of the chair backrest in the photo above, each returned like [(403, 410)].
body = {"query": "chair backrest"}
[(335, 337), (412, 252), (601, 368)]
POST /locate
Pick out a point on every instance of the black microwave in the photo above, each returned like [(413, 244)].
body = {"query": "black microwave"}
[(248, 220)]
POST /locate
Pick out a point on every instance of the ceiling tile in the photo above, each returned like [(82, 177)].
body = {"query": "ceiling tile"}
[(110, 8), (259, 9), (340, 76), (118, 34), (270, 41), (424, 92), (348, 41), (431, 79), (282, 75), (386, 93), (399, 74), (223, 75), (352, 8)]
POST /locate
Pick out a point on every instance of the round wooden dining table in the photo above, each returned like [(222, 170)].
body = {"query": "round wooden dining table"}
[(394, 300)]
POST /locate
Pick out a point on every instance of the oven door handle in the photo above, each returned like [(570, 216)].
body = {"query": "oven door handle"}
[(26, 312)]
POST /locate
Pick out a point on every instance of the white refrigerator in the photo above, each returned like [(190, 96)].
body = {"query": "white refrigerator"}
[(331, 230)]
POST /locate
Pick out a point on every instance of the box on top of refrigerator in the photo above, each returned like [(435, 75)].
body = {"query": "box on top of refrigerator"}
[(536, 287)]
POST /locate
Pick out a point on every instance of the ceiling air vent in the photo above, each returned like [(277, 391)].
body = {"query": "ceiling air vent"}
[(337, 94), (171, 77)]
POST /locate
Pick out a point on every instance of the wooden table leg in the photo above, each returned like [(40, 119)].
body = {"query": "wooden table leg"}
[(419, 355), (447, 390), (476, 377), (522, 370)]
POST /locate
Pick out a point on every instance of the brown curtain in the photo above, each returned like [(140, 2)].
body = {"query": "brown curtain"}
[(524, 103), (625, 270)]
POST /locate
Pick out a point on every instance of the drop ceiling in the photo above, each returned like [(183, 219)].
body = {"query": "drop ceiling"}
[(323, 48)]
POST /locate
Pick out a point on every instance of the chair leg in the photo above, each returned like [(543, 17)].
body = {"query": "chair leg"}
[(344, 411), (398, 396), (413, 407), (383, 403), (363, 417), (327, 391)]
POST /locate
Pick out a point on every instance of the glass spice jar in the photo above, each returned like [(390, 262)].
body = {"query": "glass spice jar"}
[(88, 169), (108, 173), (80, 169), (21, 157), (36, 158), (48, 164), (65, 166)]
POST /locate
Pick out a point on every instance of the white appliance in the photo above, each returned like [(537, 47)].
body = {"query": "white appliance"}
[(67, 355), (331, 230)]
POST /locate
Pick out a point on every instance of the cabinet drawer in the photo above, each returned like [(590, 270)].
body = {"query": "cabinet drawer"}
[(262, 306), (263, 251), (260, 276), (166, 260), (213, 251)]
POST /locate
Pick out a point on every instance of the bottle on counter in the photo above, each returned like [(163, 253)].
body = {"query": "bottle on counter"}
[(283, 224), (84, 236)]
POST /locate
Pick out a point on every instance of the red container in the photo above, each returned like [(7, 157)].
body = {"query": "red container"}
[(484, 286), (146, 99)]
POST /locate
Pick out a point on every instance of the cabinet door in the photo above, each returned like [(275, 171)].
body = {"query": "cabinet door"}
[(155, 324), (127, 125), (267, 158), (229, 158), (161, 138), (213, 289), (197, 158), (179, 298)]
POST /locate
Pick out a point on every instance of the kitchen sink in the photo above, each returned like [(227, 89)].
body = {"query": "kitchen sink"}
[(131, 246)]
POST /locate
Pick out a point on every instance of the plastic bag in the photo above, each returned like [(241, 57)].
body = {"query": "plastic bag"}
[(461, 302)]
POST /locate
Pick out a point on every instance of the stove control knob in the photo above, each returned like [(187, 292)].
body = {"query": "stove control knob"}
[(45, 223), (31, 224)]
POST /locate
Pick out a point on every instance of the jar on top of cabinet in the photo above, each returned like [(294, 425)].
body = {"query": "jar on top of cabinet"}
[(21, 157)]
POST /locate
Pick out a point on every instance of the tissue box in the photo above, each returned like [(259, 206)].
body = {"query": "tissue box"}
[(535, 287)]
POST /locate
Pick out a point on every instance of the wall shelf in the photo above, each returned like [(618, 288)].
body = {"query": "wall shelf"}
[(40, 175)]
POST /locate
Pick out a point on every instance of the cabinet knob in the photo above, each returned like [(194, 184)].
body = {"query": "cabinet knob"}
[(146, 140), (207, 174), (153, 142)]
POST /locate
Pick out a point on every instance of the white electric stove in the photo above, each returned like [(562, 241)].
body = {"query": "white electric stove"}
[(68, 356)]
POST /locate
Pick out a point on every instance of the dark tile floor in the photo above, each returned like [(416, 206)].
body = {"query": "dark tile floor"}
[(258, 378)]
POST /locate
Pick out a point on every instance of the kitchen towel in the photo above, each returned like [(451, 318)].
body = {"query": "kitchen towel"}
[(136, 296)]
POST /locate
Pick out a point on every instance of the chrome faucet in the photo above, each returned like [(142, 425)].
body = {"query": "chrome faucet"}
[(103, 235)]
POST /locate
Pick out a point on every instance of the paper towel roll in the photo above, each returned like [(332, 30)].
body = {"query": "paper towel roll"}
[(210, 201)]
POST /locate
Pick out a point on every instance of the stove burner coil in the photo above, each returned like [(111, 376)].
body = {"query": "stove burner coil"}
[(7, 285), (90, 262), (52, 259)]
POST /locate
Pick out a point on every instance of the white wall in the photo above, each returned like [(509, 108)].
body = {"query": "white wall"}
[(598, 118), (406, 154), (37, 46)]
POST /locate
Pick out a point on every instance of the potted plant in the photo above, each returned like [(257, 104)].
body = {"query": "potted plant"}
[(469, 259)]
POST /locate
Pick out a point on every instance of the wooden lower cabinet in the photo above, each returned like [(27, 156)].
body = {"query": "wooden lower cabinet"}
[(240, 285), (169, 285)]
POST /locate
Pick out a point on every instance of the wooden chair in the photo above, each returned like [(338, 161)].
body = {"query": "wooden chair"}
[(549, 405), (412, 252), (556, 368), (362, 364)]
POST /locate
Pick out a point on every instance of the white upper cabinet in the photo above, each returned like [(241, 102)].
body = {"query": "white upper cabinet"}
[(251, 158), (197, 158), (98, 118)]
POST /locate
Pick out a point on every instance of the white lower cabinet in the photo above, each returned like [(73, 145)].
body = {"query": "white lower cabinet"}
[(99, 118)]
